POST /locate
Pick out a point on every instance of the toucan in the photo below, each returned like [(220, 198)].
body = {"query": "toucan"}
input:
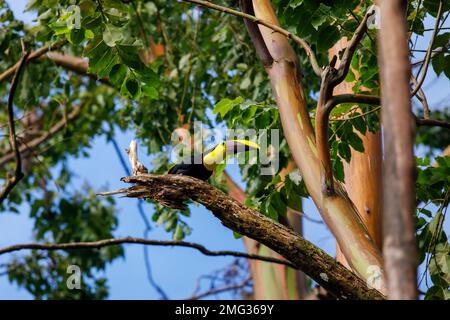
[(202, 166)]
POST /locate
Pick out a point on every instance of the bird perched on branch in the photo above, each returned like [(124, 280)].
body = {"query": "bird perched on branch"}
[(202, 166)]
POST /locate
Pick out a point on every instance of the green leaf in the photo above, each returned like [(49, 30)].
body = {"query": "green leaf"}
[(295, 3), (179, 233), (128, 54), (441, 40), (131, 88), (150, 92), (225, 105), (433, 5), (327, 37), (320, 16), (76, 36), (112, 35), (237, 235), (344, 151), (117, 74), (355, 141), (360, 125), (338, 169)]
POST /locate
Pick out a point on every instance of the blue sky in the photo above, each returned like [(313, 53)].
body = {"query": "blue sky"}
[(175, 269)]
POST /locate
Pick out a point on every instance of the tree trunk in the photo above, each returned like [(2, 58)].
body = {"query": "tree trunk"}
[(338, 211), (363, 173), (271, 282), (399, 244)]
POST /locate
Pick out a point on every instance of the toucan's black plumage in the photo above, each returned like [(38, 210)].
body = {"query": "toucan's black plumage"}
[(194, 168), (202, 166)]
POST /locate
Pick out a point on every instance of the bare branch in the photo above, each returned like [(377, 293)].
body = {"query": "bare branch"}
[(422, 98), (136, 166), (133, 240), (231, 287), (177, 189), (322, 121), (435, 53), (432, 123), (287, 34), (255, 34), (351, 98), (428, 55), (18, 174), (75, 64), (331, 77), (350, 50)]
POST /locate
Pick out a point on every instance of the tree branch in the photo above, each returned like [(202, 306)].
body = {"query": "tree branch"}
[(231, 287), (322, 121), (176, 190), (18, 174), (33, 56), (75, 64), (422, 98), (331, 77), (132, 240), (287, 34), (431, 123), (429, 52), (253, 30), (350, 50)]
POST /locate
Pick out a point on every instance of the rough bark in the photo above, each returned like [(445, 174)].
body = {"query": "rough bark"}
[(399, 245), (170, 189)]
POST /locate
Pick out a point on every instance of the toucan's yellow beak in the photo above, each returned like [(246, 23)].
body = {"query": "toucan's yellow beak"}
[(219, 153), (250, 144)]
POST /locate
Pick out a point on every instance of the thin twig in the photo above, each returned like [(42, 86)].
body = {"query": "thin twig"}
[(351, 48), (133, 240), (429, 52), (435, 53), (422, 98), (287, 34), (432, 123), (232, 287), (18, 174)]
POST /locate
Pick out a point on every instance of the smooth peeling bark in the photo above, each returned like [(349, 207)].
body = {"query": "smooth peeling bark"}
[(363, 177), (338, 211), (399, 243)]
